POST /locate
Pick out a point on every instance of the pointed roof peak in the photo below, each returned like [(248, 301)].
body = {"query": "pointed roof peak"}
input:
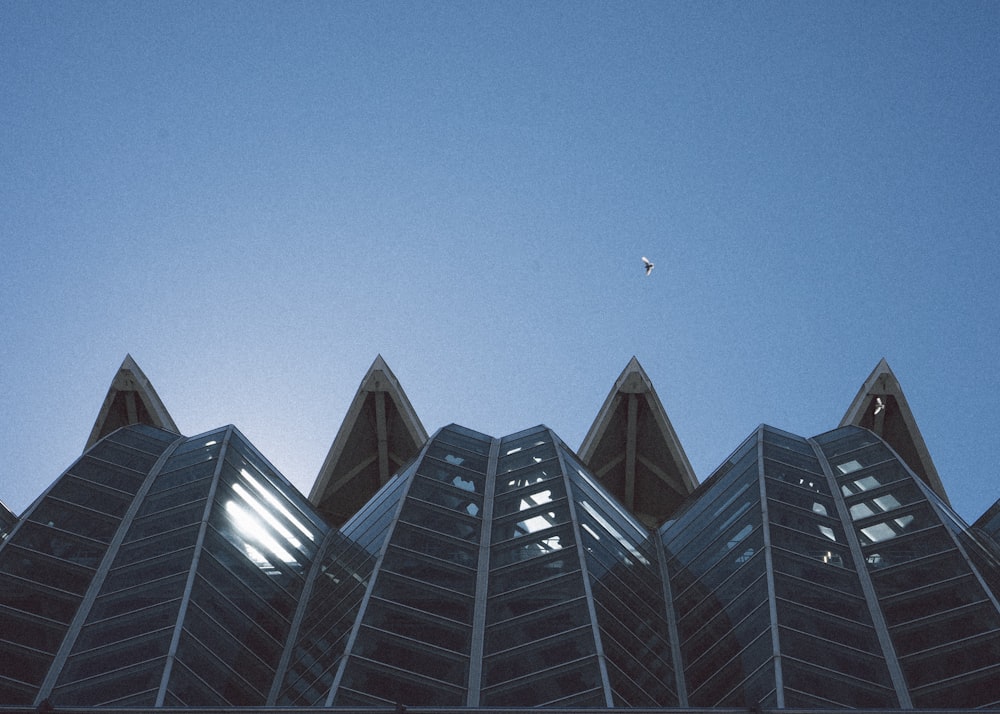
[(633, 379), (380, 432), (131, 399), (881, 406), (633, 450)]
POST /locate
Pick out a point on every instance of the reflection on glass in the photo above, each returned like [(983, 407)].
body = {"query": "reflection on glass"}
[(274, 501), (622, 540), (249, 528), (849, 466)]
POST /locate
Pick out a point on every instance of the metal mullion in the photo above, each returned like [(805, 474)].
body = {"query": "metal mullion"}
[(129, 613), (756, 529), (416, 644), (834, 674), (433, 534), (572, 664), (799, 510), (879, 624), (442, 510), (405, 674), (537, 583), (95, 485), (649, 611), (840, 620), (537, 613), (585, 575), (705, 655), (281, 567), (670, 613), (553, 703), (942, 517), (363, 606), (219, 662), (247, 588), (192, 571), (937, 650), (737, 656), (927, 586), (531, 644), (99, 460), (100, 574), (305, 596), (253, 653), (442, 620), (433, 559), (707, 524), (105, 648), (723, 583), (769, 573), (722, 613), (100, 515), (640, 659), (529, 538), (428, 587)]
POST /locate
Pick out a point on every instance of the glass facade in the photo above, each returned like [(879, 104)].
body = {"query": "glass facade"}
[(167, 571)]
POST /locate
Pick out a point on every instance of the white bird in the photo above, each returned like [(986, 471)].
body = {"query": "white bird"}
[(649, 266), (879, 404)]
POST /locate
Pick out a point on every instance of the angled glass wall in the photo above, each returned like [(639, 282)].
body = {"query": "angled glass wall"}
[(49, 560), (770, 604), (719, 579), (830, 653), (196, 605), (943, 620), (165, 571), (627, 588), (7, 520), (540, 646), (413, 638), (334, 594)]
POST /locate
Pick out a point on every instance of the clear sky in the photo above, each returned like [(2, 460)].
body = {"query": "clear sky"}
[(256, 199)]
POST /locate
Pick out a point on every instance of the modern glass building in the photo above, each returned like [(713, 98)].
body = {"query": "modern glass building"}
[(464, 571)]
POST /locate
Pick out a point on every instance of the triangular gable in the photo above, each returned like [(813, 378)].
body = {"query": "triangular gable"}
[(379, 434), (894, 422), (131, 399), (634, 451)]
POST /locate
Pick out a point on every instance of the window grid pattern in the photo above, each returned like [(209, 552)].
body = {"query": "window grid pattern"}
[(944, 627), (259, 544), (627, 589), (121, 649), (715, 558), (222, 571), (339, 587), (541, 649), (414, 635), (47, 565), (830, 655)]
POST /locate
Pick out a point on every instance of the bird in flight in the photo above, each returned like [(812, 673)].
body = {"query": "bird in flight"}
[(879, 404), (649, 266)]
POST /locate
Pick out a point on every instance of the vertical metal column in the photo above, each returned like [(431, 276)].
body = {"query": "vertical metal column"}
[(867, 587), (195, 558), (772, 604), (82, 612), (671, 615), (475, 682)]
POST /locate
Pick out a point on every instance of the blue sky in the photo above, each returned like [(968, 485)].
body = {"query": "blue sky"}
[(255, 199)]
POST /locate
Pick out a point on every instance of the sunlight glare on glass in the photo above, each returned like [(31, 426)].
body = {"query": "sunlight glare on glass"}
[(273, 500), (615, 533), (262, 512), (252, 529)]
